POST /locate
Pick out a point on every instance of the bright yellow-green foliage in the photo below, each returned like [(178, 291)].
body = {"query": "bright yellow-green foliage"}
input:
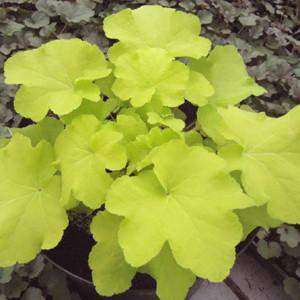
[(168, 121), (84, 150), (256, 216), (139, 150), (150, 73), (225, 70), (31, 217), (186, 184), (151, 139), (112, 274), (130, 125), (56, 76), (48, 129), (267, 151), (101, 110), (173, 281), (157, 27), (198, 89)]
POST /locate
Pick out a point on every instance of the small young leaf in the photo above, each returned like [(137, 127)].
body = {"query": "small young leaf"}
[(138, 150), (150, 73), (130, 125), (168, 121)]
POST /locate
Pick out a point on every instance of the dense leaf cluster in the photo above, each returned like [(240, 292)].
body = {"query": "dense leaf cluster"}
[(120, 140), (265, 32)]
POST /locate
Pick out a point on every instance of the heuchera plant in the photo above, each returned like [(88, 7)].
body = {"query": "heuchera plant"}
[(177, 200)]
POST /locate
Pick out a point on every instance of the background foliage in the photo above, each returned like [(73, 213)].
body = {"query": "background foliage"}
[(267, 33)]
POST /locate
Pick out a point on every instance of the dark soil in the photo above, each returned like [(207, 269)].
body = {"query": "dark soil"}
[(72, 254), (73, 251)]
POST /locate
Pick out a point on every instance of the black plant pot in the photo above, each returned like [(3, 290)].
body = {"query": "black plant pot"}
[(71, 257)]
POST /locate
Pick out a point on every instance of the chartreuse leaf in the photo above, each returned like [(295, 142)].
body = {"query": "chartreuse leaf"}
[(209, 120), (56, 76), (198, 89), (268, 156), (85, 149), (31, 217), (100, 109), (106, 83), (48, 129), (177, 32), (112, 274), (193, 138), (253, 217), (154, 106), (130, 125), (138, 150), (187, 184), (172, 281), (150, 73), (225, 70), (168, 121)]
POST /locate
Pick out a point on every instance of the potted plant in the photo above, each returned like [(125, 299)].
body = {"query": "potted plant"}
[(171, 194)]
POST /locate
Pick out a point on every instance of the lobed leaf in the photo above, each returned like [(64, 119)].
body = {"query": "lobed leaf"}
[(198, 89), (225, 70), (172, 281), (139, 150), (101, 109), (56, 76), (147, 74), (48, 129), (168, 121), (112, 274), (31, 218), (85, 149), (178, 31), (268, 156), (186, 184), (130, 125), (253, 217)]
